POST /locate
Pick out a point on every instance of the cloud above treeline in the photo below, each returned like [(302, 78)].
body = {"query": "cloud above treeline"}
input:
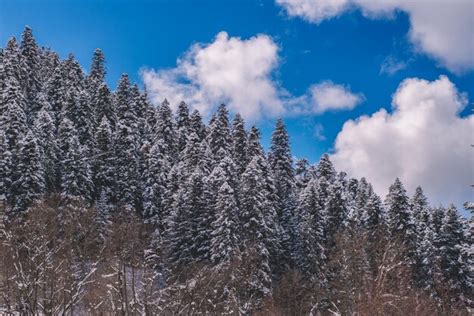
[(442, 30), (240, 73), (423, 141)]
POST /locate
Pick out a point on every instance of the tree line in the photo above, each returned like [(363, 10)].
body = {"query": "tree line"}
[(110, 204)]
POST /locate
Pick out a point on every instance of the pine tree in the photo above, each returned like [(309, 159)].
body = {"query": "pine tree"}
[(31, 83), (326, 169), (182, 125), (188, 236), (28, 184), (126, 151), (335, 210), (239, 143), (97, 72), (281, 163), (310, 256), (44, 128), (452, 265), (155, 177), (225, 234), (165, 131), (6, 169), (257, 220), (398, 211), (196, 124), (103, 106), (399, 220), (103, 163), (56, 94), (13, 120), (302, 175), (219, 133), (75, 171), (12, 62)]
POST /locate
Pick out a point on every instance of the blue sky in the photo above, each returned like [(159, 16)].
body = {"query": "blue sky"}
[(347, 49)]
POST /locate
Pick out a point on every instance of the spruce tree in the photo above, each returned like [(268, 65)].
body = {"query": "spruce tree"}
[(74, 168), (31, 82), (44, 129), (310, 256), (97, 71), (182, 125), (13, 121), (103, 163), (225, 233), (155, 177), (281, 163), (325, 169), (28, 184), (219, 133), (197, 125), (165, 131), (239, 144), (399, 220), (257, 223), (126, 150), (452, 264), (103, 106), (6, 169)]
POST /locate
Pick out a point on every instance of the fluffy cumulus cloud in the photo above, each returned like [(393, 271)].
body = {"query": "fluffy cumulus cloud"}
[(327, 96), (423, 141), (443, 30), (239, 72)]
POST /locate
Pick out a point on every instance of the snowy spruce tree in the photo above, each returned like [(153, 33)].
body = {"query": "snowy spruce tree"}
[(28, 178)]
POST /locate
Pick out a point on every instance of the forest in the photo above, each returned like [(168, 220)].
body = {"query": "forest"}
[(111, 205)]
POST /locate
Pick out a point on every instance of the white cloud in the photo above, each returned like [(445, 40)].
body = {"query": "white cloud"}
[(441, 29), (230, 70), (327, 96), (392, 65), (424, 142), (239, 72), (314, 11)]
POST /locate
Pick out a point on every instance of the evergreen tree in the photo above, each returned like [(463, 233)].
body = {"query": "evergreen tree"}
[(335, 210), (44, 129), (302, 175), (28, 184), (239, 143), (281, 163), (399, 220), (400, 223), (325, 169), (75, 171), (13, 121), (219, 133), (31, 82), (257, 223), (165, 131), (103, 164), (310, 256), (126, 159), (452, 265), (6, 169), (97, 71), (157, 168), (103, 106), (190, 224), (182, 125), (225, 233), (196, 124)]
